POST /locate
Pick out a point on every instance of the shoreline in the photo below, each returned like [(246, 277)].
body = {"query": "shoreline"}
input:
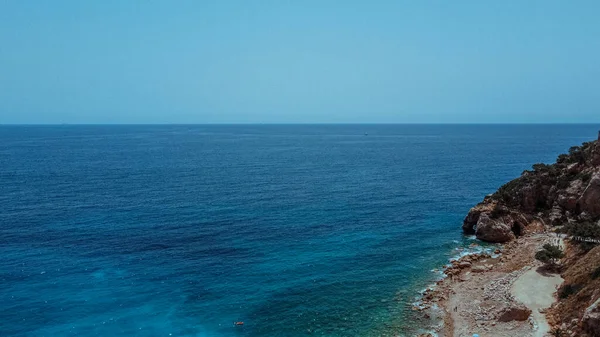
[(478, 288)]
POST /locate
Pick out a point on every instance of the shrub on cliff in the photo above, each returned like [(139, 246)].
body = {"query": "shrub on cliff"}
[(499, 211), (549, 254), (509, 191), (583, 229), (563, 158), (584, 176), (568, 290), (576, 154)]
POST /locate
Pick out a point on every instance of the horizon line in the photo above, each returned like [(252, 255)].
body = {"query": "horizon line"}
[(292, 123)]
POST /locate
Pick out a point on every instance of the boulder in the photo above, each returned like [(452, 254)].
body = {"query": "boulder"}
[(591, 319), (473, 216), (590, 199), (464, 265), (529, 198), (494, 230), (567, 198), (479, 269), (595, 160), (517, 312), (556, 216)]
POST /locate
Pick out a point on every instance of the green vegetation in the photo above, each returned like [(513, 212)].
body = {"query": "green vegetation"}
[(568, 290), (583, 229), (549, 254), (576, 154), (499, 211), (534, 185), (563, 158), (508, 191), (541, 167), (584, 176)]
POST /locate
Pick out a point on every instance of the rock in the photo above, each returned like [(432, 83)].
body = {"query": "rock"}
[(556, 216), (517, 312), (465, 277), (464, 265), (529, 198), (567, 199), (493, 230), (585, 216), (591, 319), (478, 269), (473, 216), (590, 199)]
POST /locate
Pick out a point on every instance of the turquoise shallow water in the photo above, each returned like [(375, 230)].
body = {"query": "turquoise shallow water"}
[(295, 230)]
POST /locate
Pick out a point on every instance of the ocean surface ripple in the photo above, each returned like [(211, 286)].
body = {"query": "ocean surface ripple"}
[(294, 229)]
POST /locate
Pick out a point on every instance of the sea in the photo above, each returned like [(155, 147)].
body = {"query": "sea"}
[(295, 230)]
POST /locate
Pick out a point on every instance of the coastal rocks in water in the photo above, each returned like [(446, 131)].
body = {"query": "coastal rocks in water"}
[(591, 319), (493, 222), (517, 312), (464, 265), (494, 230), (473, 217)]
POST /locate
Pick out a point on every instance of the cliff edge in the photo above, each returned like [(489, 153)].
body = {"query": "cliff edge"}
[(567, 191), (563, 197)]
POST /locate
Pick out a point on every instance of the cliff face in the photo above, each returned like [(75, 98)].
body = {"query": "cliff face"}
[(564, 196), (567, 191)]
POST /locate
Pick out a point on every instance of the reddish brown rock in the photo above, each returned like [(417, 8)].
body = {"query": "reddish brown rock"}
[(591, 319), (589, 201), (494, 230), (514, 313)]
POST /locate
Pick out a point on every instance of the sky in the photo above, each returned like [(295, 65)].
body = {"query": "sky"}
[(263, 61)]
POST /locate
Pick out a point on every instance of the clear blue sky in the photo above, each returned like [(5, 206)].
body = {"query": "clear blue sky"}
[(201, 61)]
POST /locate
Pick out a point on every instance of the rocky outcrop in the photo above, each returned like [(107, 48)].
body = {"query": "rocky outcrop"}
[(566, 195), (516, 312), (589, 201), (567, 198), (556, 216), (494, 230), (549, 194), (473, 217), (591, 319)]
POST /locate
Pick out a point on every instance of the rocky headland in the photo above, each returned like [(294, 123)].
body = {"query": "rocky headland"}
[(511, 293)]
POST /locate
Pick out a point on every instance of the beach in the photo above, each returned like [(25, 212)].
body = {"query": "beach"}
[(502, 294)]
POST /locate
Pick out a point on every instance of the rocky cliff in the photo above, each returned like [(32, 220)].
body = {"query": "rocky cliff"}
[(567, 191), (563, 197)]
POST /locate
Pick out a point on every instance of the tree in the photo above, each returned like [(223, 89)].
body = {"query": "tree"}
[(549, 254)]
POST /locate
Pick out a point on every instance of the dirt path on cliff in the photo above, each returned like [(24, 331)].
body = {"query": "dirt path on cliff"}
[(536, 290)]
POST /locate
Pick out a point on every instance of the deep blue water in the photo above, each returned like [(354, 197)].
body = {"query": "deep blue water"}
[(295, 230)]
